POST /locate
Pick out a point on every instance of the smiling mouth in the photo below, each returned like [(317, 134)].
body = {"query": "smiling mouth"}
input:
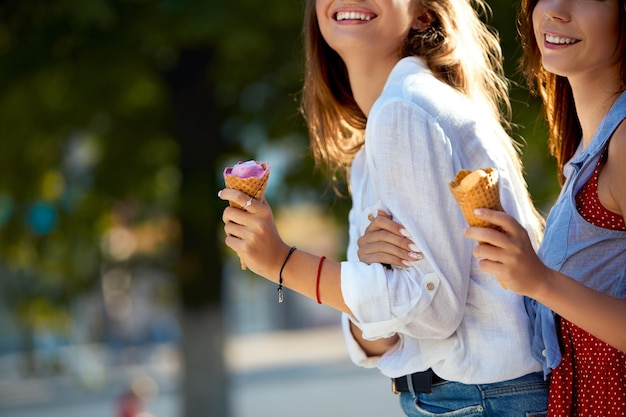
[(558, 40), (358, 16)]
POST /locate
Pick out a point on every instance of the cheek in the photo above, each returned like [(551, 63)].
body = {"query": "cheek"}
[(320, 11), (321, 6), (537, 18)]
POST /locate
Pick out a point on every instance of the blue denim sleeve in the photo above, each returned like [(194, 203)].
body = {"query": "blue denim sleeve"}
[(544, 339)]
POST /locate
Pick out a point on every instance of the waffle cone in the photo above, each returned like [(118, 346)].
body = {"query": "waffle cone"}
[(483, 193), (253, 186)]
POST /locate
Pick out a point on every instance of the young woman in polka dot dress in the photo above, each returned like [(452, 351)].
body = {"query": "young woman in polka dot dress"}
[(575, 59)]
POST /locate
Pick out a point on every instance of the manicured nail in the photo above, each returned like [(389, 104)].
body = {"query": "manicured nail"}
[(478, 212), (406, 263), (414, 247), (416, 255), (405, 232), (219, 193)]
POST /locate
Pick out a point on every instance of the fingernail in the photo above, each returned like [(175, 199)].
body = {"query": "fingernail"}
[(478, 212), (219, 193), (406, 263), (405, 232), (414, 247), (416, 255)]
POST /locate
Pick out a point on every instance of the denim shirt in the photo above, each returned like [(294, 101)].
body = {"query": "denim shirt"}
[(590, 254)]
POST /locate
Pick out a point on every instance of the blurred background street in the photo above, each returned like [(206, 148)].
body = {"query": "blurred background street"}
[(274, 374)]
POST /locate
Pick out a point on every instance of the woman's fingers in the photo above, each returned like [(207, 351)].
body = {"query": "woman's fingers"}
[(488, 251), (239, 198), (508, 232), (251, 231), (384, 254), (386, 241), (504, 221), (507, 252), (383, 221)]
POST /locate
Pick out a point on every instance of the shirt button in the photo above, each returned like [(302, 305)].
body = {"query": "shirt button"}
[(430, 286), (543, 353)]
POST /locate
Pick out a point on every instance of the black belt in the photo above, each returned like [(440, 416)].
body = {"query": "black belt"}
[(421, 382)]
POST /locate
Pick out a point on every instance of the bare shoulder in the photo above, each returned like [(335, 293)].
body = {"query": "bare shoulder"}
[(617, 150), (616, 168), (618, 141)]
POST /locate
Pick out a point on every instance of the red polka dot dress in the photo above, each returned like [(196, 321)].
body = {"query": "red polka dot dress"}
[(591, 378)]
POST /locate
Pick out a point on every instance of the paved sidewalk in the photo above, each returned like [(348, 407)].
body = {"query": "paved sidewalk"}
[(310, 375), (276, 374)]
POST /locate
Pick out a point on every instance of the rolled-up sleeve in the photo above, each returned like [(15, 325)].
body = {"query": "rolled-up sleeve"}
[(410, 161)]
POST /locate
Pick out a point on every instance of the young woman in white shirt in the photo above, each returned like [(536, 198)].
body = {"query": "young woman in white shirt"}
[(399, 96)]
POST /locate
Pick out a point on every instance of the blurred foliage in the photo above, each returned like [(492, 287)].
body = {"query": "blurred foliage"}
[(92, 153), (93, 134)]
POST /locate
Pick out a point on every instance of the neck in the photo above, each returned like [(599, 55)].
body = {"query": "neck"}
[(593, 98), (368, 76)]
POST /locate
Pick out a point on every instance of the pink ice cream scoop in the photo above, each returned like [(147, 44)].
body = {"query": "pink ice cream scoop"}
[(250, 177), (248, 169)]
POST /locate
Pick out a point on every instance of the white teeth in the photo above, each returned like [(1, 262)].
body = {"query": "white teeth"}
[(352, 16), (559, 41)]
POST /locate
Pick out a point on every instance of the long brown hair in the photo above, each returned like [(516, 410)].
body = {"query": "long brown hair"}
[(565, 131), (458, 48)]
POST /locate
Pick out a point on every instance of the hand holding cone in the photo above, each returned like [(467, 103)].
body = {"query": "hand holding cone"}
[(477, 189), (251, 177)]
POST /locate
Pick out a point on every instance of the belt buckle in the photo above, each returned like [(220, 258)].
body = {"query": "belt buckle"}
[(393, 387)]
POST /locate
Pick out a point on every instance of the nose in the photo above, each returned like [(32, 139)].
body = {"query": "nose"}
[(554, 10)]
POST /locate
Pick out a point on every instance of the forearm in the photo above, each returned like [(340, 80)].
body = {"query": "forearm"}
[(300, 275), (373, 347), (600, 314)]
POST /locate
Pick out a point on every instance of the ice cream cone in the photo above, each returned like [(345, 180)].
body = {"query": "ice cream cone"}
[(476, 189), (254, 186)]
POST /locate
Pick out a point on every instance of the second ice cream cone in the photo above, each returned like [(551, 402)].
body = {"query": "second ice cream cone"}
[(476, 189)]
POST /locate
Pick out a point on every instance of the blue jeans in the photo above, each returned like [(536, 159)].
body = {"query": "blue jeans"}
[(522, 397)]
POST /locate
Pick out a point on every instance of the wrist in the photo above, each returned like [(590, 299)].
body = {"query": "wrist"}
[(280, 273), (544, 289)]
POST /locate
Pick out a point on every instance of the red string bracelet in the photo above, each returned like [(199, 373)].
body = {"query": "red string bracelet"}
[(317, 280)]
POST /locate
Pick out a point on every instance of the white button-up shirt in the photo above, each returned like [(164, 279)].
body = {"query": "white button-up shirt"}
[(451, 316)]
